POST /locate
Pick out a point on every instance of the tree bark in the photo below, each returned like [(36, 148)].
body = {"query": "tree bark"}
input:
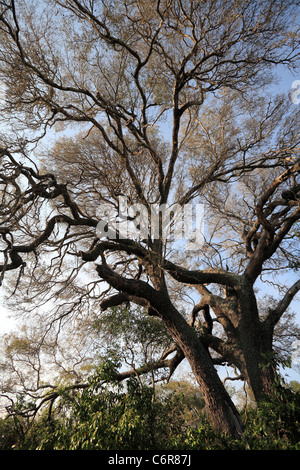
[(256, 344), (249, 340), (222, 412)]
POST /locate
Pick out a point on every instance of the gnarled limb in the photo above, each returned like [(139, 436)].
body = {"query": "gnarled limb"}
[(276, 313)]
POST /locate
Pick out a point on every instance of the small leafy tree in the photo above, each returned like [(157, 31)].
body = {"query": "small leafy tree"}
[(105, 416)]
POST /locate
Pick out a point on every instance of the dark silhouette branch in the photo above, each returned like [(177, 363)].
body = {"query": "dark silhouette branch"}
[(276, 313)]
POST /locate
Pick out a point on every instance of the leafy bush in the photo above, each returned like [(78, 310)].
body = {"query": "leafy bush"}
[(106, 416), (274, 424)]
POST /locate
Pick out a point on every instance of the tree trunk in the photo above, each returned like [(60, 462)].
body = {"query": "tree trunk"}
[(223, 414), (256, 344), (264, 370), (221, 410), (260, 372)]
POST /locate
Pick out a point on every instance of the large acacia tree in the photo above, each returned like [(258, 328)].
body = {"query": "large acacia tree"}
[(161, 102)]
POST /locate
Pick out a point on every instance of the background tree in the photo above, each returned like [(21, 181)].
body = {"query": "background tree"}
[(36, 366), (168, 105)]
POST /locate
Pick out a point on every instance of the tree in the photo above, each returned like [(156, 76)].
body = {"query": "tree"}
[(37, 366), (169, 106)]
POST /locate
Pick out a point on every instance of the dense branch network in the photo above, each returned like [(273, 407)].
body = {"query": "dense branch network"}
[(137, 291)]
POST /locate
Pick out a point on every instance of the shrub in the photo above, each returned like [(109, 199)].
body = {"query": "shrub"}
[(106, 416)]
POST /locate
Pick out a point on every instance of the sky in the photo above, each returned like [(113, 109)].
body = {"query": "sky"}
[(290, 83)]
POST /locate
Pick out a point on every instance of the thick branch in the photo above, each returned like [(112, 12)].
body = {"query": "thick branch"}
[(184, 275), (269, 239), (265, 251), (276, 313), (161, 363), (122, 297), (194, 277), (170, 364)]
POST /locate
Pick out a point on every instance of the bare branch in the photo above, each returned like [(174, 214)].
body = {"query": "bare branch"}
[(276, 313)]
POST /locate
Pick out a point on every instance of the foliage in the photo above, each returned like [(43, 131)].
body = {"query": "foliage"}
[(136, 336), (105, 416), (274, 424), (188, 395), (109, 417), (9, 434)]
